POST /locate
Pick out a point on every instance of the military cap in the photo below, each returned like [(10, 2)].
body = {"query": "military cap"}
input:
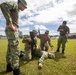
[(46, 31), (64, 22), (51, 55), (23, 2), (34, 31)]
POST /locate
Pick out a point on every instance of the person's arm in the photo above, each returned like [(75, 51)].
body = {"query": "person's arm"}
[(60, 29), (23, 41), (49, 42), (68, 31), (43, 57), (6, 12)]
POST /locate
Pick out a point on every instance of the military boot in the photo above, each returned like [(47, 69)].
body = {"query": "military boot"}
[(62, 51), (8, 68), (21, 54), (17, 72), (58, 50)]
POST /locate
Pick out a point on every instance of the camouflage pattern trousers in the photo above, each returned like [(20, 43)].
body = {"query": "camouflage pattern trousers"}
[(62, 40), (13, 49), (44, 46), (27, 52)]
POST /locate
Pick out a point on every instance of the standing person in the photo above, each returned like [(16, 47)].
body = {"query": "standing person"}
[(44, 38), (10, 11), (64, 31)]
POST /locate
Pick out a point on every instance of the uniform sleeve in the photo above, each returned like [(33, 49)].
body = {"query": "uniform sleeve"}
[(6, 12), (59, 28), (43, 57), (23, 41), (49, 41), (68, 30)]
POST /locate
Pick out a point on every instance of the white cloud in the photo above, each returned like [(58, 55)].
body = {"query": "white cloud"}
[(41, 27), (46, 11), (72, 28), (25, 30), (24, 22)]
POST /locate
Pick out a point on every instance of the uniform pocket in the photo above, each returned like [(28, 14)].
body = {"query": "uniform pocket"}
[(11, 34)]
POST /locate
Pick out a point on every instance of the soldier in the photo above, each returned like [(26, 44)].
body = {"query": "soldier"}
[(10, 11), (64, 31), (36, 52), (42, 56), (44, 38), (28, 54)]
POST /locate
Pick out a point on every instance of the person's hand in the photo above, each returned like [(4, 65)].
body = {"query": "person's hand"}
[(40, 65), (52, 48), (28, 39), (61, 30), (37, 47), (13, 28)]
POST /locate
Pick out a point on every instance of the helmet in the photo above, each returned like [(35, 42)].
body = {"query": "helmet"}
[(23, 2), (34, 31), (51, 55)]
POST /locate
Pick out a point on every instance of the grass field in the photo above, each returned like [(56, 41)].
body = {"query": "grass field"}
[(61, 65)]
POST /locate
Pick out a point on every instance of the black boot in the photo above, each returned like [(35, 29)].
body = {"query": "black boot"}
[(17, 72), (8, 68), (62, 51), (58, 50), (21, 54)]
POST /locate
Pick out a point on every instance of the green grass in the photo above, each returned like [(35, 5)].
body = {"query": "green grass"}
[(61, 65)]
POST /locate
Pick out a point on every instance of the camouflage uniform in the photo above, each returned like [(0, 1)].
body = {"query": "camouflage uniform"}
[(10, 12), (28, 53), (27, 50), (43, 41), (43, 55), (62, 38)]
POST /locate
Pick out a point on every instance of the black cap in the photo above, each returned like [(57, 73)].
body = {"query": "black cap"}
[(64, 22)]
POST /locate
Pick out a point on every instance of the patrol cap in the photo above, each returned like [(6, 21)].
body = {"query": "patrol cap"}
[(51, 55), (34, 31), (47, 32), (64, 22), (23, 2)]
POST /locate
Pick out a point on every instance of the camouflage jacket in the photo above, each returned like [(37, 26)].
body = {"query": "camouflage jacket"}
[(28, 44), (44, 39), (42, 55), (10, 12), (65, 29)]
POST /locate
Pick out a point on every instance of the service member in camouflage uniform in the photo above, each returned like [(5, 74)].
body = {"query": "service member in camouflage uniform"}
[(27, 54), (44, 38), (27, 50), (42, 56), (64, 31), (10, 11)]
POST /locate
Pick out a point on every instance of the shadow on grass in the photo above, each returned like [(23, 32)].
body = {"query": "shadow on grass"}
[(24, 62), (3, 72), (59, 56)]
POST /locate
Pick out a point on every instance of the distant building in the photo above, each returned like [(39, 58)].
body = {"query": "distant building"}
[(72, 36), (3, 37)]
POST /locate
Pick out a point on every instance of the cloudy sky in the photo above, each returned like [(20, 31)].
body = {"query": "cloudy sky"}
[(44, 15)]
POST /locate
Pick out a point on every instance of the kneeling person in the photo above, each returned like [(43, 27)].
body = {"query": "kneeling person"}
[(26, 54)]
